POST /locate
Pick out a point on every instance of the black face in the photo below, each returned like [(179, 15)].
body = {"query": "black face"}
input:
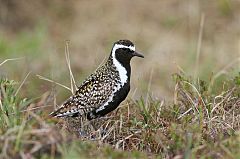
[(124, 54), (125, 50)]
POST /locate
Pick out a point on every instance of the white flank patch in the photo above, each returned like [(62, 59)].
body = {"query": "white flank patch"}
[(110, 98), (121, 70)]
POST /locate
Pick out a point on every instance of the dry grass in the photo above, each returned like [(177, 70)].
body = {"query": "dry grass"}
[(188, 128), (198, 124)]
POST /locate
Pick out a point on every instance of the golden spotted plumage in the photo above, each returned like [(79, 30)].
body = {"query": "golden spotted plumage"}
[(92, 93), (105, 89)]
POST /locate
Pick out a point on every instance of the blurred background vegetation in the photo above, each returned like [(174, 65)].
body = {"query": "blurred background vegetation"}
[(166, 32)]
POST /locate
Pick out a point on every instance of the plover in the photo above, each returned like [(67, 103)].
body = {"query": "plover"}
[(105, 89)]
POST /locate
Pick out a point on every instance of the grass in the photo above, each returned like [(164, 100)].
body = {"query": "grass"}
[(198, 123)]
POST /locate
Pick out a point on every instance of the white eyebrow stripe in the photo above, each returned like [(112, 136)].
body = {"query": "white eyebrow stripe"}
[(119, 46)]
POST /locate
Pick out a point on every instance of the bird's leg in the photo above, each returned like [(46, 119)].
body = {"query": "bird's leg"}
[(100, 125), (88, 128)]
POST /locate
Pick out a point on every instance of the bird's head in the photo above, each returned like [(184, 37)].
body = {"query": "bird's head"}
[(124, 50)]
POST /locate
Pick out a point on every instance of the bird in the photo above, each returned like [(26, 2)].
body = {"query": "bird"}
[(104, 90)]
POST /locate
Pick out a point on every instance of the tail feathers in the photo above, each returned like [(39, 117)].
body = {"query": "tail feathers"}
[(68, 108)]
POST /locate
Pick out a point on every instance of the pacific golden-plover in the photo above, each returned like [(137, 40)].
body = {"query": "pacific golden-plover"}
[(105, 89)]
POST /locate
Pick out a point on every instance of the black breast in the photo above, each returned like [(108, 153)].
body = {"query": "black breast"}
[(118, 97)]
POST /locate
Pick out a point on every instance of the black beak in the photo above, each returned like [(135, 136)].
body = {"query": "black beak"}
[(138, 54)]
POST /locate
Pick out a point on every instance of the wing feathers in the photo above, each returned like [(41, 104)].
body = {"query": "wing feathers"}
[(93, 93)]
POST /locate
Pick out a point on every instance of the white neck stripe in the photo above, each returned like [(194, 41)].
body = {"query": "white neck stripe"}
[(121, 70)]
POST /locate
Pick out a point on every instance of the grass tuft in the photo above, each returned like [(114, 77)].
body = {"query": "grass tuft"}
[(198, 123)]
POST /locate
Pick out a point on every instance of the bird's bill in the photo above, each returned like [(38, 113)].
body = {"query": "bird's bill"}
[(138, 54)]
